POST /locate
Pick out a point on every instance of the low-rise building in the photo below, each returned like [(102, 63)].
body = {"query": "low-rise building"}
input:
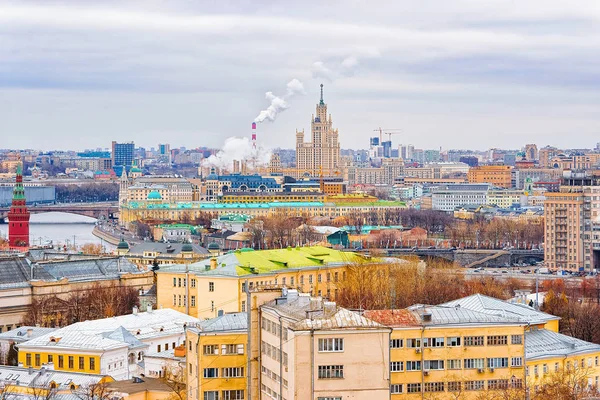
[(9, 340), (159, 253), (496, 175), (448, 197), (111, 346)]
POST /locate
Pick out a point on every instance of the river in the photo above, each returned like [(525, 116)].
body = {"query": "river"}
[(60, 228)]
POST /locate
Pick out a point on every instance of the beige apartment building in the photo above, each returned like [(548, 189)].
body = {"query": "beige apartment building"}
[(313, 349), (572, 223)]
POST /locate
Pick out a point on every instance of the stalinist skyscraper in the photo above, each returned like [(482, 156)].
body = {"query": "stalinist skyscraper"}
[(322, 154)]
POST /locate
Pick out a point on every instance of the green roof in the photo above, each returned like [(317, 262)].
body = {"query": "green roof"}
[(154, 195)]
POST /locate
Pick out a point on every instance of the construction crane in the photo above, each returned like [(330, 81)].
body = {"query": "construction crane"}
[(390, 134), (387, 132)]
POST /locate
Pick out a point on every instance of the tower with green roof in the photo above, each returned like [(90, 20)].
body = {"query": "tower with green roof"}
[(18, 216)]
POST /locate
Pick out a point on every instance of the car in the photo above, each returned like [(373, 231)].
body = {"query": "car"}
[(504, 271), (431, 247), (476, 270)]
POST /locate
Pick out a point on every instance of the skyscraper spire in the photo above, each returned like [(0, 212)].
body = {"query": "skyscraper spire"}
[(322, 102)]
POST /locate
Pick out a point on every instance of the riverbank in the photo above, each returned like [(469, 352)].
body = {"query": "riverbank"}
[(107, 237)]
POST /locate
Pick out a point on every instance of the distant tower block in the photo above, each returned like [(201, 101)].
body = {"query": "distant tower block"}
[(18, 216), (254, 135)]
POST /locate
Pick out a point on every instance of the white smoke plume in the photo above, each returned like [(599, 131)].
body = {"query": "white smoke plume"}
[(240, 149), (347, 66), (279, 104)]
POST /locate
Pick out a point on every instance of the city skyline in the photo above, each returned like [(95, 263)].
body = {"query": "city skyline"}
[(194, 74)]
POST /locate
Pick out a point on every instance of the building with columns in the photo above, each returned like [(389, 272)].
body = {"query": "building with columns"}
[(321, 156)]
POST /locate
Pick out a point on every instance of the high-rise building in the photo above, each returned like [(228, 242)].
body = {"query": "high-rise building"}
[(18, 216), (572, 223), (546, 154), (321, 156), (531, 152), (122, 153)]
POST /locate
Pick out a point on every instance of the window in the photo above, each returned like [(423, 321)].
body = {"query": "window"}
[(232, 349), (211, 395), (516, 362), (497, 362), (412, 343), (433, 365), (397, 366), (328, 345), (28, 360), (71, 362), (50, 358), (474, 341), (61, 362), (453, 341), (555, 367), (92, 364), (474, 363), (232, 372), (434, 387), (179, 282), (211, 286), (330, 371), (211, 372), (395, 389), (243, 305), (174, 282), (474, 385), (210, 349), (319, 278), (193, 283), (233, 394), (453, 364), (535, 370), (81, 363), (310, 279), (433, 342), (174, 299), (38, 360), (495, 384), (516, 339), (454, 386), (166, 346), (500, 340), (193, 301), (413, 365), (396, 344), (413, 388), (158, 348), (545, 368)]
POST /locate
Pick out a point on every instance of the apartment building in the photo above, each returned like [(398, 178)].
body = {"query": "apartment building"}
[(572, 223), (312, 349), (206, 288), (217, 358), (497, 175), (448, 197)]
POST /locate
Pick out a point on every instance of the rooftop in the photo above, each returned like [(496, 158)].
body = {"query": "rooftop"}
[(164, 248), (542, 343), (116, 332), (492, 306), (42, 377), (24, 333), (224, 323), (138, 385)]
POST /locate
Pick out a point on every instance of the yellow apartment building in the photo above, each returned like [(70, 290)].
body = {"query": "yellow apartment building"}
[(448, 351), (208, 287), (497, 175), (217, 358)]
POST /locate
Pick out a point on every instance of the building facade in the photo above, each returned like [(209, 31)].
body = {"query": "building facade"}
[(497, 175)]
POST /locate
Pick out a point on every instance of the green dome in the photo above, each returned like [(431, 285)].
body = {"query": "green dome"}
[(213, 246), (135, 169), (187, 247), (154, 195), (123, 245)]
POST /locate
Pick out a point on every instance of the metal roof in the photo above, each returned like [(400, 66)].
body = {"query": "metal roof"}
[(164, 248), (492, 306), (42, 377), (224, 323), (20, 334), (542, 343)]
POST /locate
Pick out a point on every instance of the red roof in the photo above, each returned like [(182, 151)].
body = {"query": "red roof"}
[(392, 318)]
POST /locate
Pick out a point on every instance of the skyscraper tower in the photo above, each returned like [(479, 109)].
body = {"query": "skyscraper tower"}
[(321, 156), (18, 216)]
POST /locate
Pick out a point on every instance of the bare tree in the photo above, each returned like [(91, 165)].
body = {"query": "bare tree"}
[(175, 379)]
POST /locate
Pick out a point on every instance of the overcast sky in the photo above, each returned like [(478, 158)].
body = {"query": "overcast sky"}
[(451, 74)]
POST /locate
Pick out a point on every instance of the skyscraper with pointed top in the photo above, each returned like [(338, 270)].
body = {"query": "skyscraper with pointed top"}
[(321, 156), (18, 216)]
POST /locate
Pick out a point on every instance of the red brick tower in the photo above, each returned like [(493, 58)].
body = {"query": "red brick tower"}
[(18, 216)]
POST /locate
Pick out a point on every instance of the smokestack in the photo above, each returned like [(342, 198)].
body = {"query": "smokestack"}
[(254, 135)]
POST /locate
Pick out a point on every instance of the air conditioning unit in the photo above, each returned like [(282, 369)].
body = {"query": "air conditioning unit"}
[(481, 370), (491, 369), (417, 350), (426, 373)]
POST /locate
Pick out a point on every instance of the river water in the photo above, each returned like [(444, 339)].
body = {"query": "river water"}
[(60, 228)]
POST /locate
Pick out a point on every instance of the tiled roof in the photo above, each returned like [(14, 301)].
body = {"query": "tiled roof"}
[(542, 343), (392, 318), (490, 305)]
